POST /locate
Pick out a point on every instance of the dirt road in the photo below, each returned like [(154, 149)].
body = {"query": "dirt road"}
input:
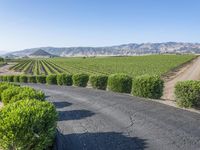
[(4, 70), (189, 72)]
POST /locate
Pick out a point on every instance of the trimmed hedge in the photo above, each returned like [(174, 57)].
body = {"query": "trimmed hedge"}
[(41, 79), (69, 80), (187, 93), (51, 79), (27, 124), (16, 78), (4, 86), (10, 78), (80, 80), (99, 81), (120, 83), (14, 94), (1, 78), (8, 93), (23, 79), (148, 86), (32, 79), (5, 78), (64, 79)]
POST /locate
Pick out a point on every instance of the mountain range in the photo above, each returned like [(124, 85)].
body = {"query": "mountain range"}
[(118, 50)]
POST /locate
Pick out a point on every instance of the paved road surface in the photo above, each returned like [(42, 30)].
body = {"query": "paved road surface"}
[(189, 72), (99, 120)]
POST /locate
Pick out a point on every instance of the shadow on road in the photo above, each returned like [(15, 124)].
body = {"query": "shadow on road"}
[(74, 114), (61, 104), (99, 141)]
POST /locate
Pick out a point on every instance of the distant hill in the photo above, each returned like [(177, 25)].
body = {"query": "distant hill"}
[(10, 56), (40, 53), (125, 49)]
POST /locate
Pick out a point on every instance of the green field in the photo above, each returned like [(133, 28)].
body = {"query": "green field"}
[(133, 66)]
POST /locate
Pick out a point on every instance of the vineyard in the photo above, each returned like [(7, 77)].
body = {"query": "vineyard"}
[(37, 67), (133, 66)]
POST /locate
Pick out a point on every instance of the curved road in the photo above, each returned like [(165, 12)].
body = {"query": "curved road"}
[(99, 120)]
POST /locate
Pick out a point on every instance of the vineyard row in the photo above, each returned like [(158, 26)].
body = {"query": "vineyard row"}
[(45, 67)]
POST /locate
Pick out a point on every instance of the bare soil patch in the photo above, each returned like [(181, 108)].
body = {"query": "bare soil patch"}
[(4, 70)]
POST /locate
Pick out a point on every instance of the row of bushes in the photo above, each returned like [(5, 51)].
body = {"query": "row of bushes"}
[(24, 78), (27, 121), (187, 93), (143, 86)]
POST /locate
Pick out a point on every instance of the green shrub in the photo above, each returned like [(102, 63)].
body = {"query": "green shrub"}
[(120, 83), (64, 79), (80, 79), (28, 93), (4, 86), (23, 79), (32, 79), (16, 78), (27, 125), (4, 78), (69, 81), (1, 78), (10, 78), (61, 79), (14, 94), (41, 79), (148, 86), (51, 79), (188, 93), (99, 81), (8, 93)]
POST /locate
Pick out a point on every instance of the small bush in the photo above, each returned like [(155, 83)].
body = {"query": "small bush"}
[(99, 81), (16, 78), (3, 87), (51, 79), (10, 78), (23, 79), (61, 79), (41, 79), (32, 79), (27, 124), (14, 94), (64, 79), (69, 81), (188, 93), (8, 93), (148, 86), (1, 78), (120, 83), (80, 79), (5, 78)]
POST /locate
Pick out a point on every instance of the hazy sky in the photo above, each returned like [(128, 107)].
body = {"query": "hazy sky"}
[(37, 23)]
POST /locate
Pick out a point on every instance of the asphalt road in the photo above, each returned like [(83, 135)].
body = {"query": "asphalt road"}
[(99, 120)]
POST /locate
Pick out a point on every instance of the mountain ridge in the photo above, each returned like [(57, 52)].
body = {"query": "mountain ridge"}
[(117, 50)]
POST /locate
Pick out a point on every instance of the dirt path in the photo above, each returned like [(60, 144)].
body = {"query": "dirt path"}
[(4, 70), (189, 72)]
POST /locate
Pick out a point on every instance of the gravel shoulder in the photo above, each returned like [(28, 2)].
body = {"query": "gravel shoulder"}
[(93, 119)]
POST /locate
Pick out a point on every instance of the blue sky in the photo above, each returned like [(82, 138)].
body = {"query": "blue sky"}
[(59, 23)]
